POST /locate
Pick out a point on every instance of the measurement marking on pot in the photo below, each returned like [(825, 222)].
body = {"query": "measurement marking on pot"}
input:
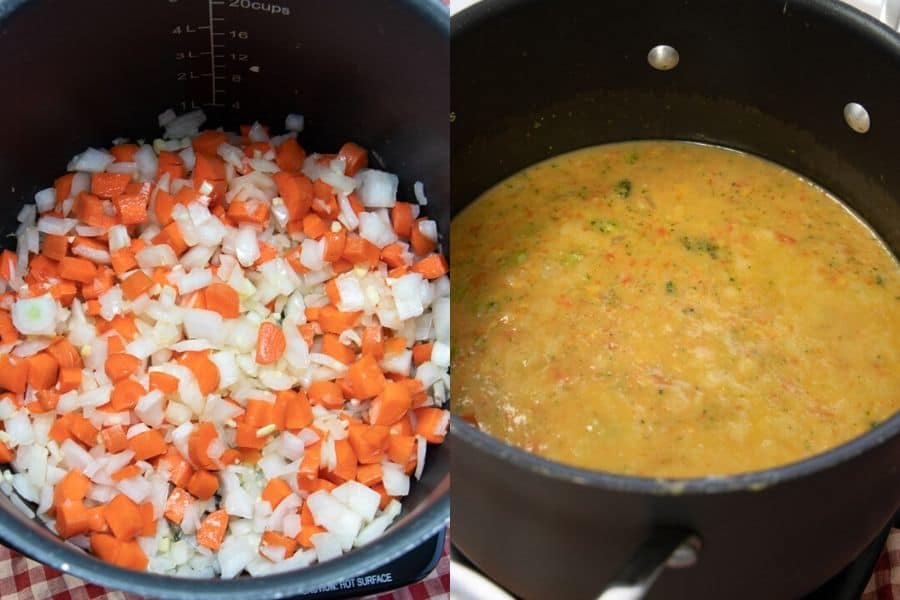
[(212, 52)]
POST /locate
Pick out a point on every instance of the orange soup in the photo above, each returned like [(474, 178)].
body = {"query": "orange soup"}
[(670, 309)]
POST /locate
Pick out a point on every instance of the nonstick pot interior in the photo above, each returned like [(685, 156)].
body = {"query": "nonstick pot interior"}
[(532, 79), (83, 73)]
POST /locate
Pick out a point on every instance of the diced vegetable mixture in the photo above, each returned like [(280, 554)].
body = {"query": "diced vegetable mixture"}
[(219, 354)]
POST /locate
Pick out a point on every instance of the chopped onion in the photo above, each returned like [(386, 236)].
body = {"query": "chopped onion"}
[(246, 246), (160, 255), (419, 192), (55, 225), (45, 199), (377, 188), (184, 125), (35, 316), (294, 122), (91, 161)]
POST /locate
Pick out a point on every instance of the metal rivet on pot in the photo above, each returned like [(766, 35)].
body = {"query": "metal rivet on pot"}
[(663, 58), (685, 555), (857, 117)]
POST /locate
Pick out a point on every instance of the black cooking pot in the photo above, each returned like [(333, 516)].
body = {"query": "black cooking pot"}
[(531, 79), (83, 73)]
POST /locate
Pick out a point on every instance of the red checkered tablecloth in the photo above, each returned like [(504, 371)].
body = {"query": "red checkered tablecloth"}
[(24, 579), (885, 582)]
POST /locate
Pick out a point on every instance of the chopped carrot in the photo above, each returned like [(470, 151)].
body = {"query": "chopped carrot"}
[(431, 267), (123, 517), (114, 344), (270, 343), (106, 547), (421, 245), (223, 299), (365, 378), (258, 412), (73, 486), (212, 529), (369, 442), (125, 395), (114, 439), (373, 342), (245, 436), (314, 226), (171, 236), (6, 455), (369, 475), (431, 423), (13, 373), (121, 365), (72, 519), (179, 470), (55, 246), (136, 284), (311, 461), (355, 158), (275, 491), (296, 191), (65, 353), (390, 405), (97, 520), (298, 413), (289, 156), (77, 269), (176, 504), (203, 484), (47, 399), (361, 251), (131, 208), (8, 332), (131, 556), (63, 187), (89, 208), (167, 384), (148, 523), (402, 219), (208, 168), (393, 255), (43, 371), (198, 446), (69, 379), (271, 538), (402, 449), (209, 141), (124, 152), (205, 370), (126, 473), (59, 431), (334, 321), (334, 245), (422, 352), (123, 260), (332, 346), (304, 538), (171, 163), (346, 463), (147, 444), (326, 393), (107, 185)]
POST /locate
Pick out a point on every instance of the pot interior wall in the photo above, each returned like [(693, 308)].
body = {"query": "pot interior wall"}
[(768, 77), (84, 73)]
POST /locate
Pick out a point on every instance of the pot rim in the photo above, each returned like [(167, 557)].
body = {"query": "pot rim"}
[(461, 432)]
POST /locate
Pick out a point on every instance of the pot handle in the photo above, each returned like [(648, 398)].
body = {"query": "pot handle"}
[(666, 547)]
